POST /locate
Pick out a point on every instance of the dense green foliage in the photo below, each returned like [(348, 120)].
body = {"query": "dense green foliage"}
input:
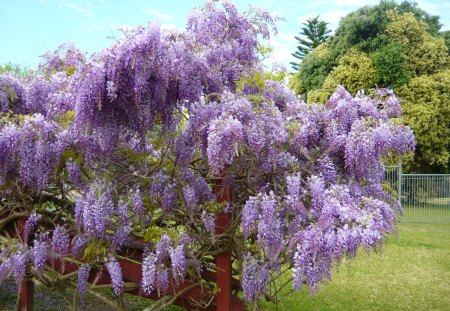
[(426, 109), (314, 33), (446, 36), (366, 30), (355, 70), (393, 45), (364, 27), (314, 68), (425, 54), (390, 64)]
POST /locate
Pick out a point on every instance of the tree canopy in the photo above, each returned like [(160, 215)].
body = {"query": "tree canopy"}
[(426, 110), (385, 45), (314, 32)]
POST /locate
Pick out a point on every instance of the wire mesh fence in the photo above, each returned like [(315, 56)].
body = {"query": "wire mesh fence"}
[(423, 197)]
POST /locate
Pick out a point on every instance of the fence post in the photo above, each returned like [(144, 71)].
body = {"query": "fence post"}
[(26, 295), (224, 299), (400, 173)]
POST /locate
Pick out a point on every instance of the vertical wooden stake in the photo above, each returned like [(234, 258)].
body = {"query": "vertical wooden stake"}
[(27, 295), (223, 261), (26, 299)]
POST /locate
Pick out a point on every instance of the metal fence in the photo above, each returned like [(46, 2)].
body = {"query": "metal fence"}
[(423, 197)]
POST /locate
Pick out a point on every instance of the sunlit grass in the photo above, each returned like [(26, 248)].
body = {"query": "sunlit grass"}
[(428, 213), (411, 273)]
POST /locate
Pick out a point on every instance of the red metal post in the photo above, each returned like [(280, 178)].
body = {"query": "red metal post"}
[(224, 299), (26, 300), (27, 294)]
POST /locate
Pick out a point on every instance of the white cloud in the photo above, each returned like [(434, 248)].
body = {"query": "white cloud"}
[(354, 3), (287, 36), (158, 14), (333, 17), (86, 12), (281, 53), (170, 28)]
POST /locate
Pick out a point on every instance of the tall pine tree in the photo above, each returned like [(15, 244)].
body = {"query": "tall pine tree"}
[(315, 32)]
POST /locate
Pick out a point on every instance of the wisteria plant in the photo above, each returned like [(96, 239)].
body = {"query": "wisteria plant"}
[(124, 149)]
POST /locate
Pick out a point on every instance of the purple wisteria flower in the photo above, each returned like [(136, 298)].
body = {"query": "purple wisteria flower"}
[(19, 267), (41, 249), (5, 270), (148, 274), (60, 241), (74, 172), (162, 281), (136, 202), (162, 248), (83, 276), (178, 259), (30, 225), (209, 221), (116, 276)]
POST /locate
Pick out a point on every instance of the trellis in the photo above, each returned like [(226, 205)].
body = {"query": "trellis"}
[(183, 294)]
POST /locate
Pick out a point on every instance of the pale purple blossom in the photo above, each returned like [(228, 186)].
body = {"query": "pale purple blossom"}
[(83, 276), (30, 225), (136, 202), (116, 276), (148, 274), (209, 221), (178, 259), (60, 241), (41, 251), (162, 281)]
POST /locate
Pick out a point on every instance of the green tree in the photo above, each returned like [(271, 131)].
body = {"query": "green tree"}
[(425, 54), (446, 36), (390, 64), (355, 72), (313, 33), (363, 29), (314, 68), (397, 46), (426, 109)]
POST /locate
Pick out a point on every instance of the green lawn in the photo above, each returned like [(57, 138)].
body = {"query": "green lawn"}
[(411, 273), (426, 213)]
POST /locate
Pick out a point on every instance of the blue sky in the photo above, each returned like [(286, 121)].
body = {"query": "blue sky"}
[(29, 28)]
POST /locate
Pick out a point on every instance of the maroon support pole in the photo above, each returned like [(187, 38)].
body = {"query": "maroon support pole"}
[(27, 295), (223, 261), (26, 300)]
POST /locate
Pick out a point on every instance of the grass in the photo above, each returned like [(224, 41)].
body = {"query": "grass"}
[(411, 273), (426, 213)]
